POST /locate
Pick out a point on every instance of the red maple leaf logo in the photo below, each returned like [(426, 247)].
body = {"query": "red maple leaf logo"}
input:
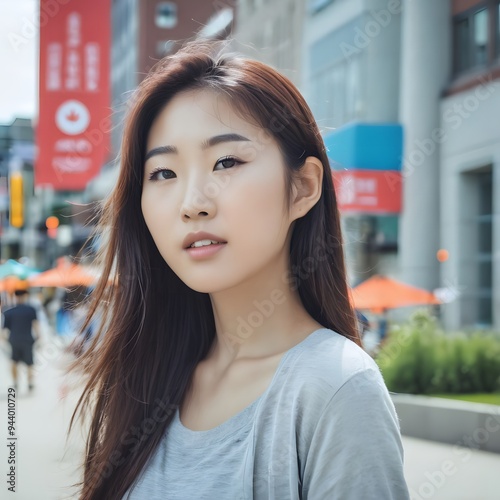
[(73, 116)]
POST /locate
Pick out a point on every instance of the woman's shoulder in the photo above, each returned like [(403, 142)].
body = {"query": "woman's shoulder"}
[(329, 360)]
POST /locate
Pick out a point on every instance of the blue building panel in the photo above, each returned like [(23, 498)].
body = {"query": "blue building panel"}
[(366, 146)]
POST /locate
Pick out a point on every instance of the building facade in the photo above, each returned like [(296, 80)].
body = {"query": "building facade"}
[(272, 32), (469, 157), (142, 33), (351, 78), (433, 68), (17, 152)]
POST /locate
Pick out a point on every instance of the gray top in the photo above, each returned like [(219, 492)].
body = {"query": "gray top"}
[(325, 428)]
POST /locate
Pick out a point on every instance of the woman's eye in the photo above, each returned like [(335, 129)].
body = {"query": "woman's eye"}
[(226, 163), (161, 174)]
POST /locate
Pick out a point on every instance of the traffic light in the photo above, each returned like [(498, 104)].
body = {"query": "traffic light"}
[(16, 196)]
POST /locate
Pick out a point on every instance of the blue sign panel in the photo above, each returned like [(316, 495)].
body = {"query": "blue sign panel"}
[(366, 146)]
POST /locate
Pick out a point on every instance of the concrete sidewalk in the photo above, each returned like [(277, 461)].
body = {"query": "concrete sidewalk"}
[(445, 472), (47, 465)]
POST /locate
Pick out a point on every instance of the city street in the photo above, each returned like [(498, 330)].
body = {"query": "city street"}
[(47, 466)]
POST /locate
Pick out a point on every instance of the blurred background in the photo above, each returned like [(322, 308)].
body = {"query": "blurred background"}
[(407, 97)]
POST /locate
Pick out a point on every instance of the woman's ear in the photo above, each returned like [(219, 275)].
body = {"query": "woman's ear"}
[(307, 187)]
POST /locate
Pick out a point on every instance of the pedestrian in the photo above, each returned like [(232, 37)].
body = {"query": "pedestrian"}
[(22, 324), (229, 364), (363, 323), (383, 326)]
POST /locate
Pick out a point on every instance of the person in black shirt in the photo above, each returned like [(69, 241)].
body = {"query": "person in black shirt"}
[(21, 321)]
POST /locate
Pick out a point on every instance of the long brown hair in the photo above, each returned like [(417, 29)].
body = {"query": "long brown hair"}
[(154, 328)]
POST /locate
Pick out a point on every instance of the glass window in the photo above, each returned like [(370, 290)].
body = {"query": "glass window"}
[(485, 248), (497, 34), (486, 194), (337, 94), (330, 112), (339, 97), (166, 15), (485, 311), (353, 91), (480, 44), (462, 36), (485, 275), (321, 96), (472, 40), (485, 240)]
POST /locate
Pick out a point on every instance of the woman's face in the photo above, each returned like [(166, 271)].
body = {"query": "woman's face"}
[(207, 169)]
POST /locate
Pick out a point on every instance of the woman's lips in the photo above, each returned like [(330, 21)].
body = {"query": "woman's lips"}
[(199, 236), (199, 253)]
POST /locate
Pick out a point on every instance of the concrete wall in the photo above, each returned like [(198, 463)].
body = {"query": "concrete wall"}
[(425, 73), (469, 425), (470, 141)]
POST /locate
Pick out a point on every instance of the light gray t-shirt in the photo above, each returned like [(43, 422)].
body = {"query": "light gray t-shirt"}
[(324, 429)]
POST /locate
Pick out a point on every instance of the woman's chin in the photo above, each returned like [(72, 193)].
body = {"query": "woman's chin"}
[(206, 286)]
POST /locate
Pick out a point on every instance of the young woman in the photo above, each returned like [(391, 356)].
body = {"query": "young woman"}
[(229, 364)]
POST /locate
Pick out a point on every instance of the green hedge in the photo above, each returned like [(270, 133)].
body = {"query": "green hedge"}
[(418, 358)]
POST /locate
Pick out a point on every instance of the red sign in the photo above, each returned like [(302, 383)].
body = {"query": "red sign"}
[(368, 191), (74, 111)]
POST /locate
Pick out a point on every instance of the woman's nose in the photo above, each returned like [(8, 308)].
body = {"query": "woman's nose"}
[(197, 204), (194, 215)]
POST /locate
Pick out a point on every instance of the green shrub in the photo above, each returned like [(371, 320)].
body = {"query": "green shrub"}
[(418, 358)]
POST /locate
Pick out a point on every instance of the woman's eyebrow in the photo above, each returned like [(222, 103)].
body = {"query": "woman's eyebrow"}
[(212, 141)]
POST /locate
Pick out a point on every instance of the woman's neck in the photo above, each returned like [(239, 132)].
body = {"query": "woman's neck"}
[(262, 317)]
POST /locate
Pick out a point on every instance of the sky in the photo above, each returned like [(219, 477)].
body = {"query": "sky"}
[(18, 59)]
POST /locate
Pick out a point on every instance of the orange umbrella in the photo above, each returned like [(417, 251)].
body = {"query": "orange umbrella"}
[(12, 283), (380, 292), (64, 275)]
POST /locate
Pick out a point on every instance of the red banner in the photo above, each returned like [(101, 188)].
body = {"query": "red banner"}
[(74, 111), (368, 191)]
